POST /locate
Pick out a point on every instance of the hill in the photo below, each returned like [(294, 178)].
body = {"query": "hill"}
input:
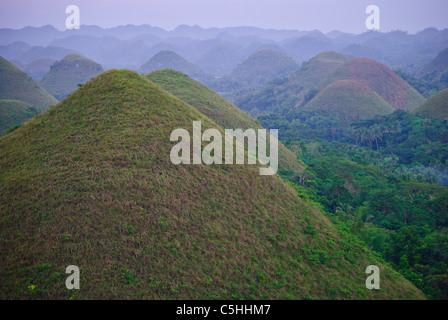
[(294, 91), (169, 59), (349, 101), (13, 113), (39, 68), (437, 69), (388, 85), (436, 107), (263, 66), (211, 104), (90, 183), (16, 85), (65, 75)]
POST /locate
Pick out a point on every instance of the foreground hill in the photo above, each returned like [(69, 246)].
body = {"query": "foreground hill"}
[(388, 85), (90, 183), (349, 101), (13, 113), (216, 108), (169, 59), (436, 107), (17, 85), (65, 75)]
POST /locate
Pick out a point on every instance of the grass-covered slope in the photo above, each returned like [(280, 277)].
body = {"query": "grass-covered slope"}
[(436, 107), (436, 69), (388, 85), (90, 183), (13, 113), (65, 75), (216, 108), (350, 101), (17, 85)]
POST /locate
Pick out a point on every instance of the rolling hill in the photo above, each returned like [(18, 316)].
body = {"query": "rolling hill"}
[(388, 85), (211, 104), (169, 59), (437, 69), (65, 75), (13, 113), (90, 183), (349, 101), (435, 108), (263, 66), (39, 68), (17, 85)]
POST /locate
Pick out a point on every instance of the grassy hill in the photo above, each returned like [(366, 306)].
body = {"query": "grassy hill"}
[(13, 113), (262, 67), (65, 75), (436, 107), (216, 108), (350, 101), (90, 183), (39, 68), (169, 59), (380, 79), (294, 91), (17, 85)]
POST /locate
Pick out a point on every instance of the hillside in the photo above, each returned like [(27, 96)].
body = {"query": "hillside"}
[(169, 59), (436, 107), (13, 113), (349, 101), (437, 69), (65, 75), (17, 85), (294, 91), (39, 68), (216, 108), (90, 183), (263, 66), (380, 79)]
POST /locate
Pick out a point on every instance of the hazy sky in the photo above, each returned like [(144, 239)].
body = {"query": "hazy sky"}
[(325, 15)]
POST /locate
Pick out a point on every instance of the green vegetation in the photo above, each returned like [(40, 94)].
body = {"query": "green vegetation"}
[(436, 107), (66, 74), (13, 113), (16, 85), (156, 230), (216, 108)]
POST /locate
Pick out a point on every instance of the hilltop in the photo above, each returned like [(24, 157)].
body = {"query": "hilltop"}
[(90, 183), (436, 107), (387, 84), (349, 101), (65, 75), (17, 85), (169, 59), (13, 113), (211, 104)]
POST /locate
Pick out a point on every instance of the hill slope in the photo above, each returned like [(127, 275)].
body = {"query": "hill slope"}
[(169, 59), (65, 75), (262, 67), (349, 101), (436, 107), (216, 108), (437, 69), (13, 113), (388, 85), (90, 183), (17, 85)]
